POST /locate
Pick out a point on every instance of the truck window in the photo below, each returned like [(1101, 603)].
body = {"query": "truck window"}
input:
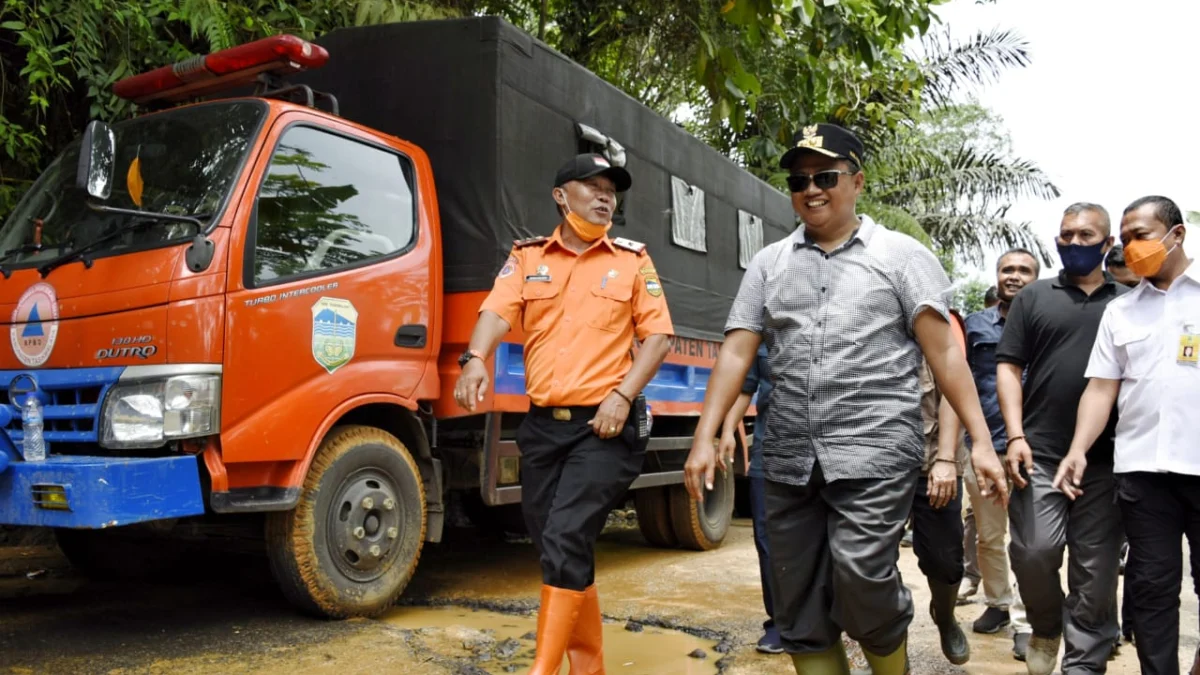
[(189, 157), (330, 202)]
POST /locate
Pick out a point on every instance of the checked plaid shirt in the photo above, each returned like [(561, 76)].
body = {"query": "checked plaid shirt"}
[(846, 366)]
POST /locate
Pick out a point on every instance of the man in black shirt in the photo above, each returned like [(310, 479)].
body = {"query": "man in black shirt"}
[(1051, 326)]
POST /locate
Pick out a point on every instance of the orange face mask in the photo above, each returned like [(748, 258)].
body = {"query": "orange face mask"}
[(1145, 257), (585, 230)]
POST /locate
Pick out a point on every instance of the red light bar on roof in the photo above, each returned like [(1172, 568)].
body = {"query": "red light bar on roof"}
[(228, 68)]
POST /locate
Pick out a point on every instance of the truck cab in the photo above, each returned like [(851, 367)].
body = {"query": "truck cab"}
[(202, 295)]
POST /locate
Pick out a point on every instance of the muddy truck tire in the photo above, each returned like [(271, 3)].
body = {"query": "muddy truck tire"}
[(702, 527), (653, 506), (352, 543)]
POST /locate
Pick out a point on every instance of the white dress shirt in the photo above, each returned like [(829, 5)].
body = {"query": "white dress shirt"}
[(1159, 404)]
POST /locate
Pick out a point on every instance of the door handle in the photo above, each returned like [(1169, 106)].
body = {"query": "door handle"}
[(411, 336)]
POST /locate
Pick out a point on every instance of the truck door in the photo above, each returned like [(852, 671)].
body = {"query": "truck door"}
[(333, 297)]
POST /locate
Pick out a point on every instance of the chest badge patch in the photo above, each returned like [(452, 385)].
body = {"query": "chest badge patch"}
[(510, 266), (334, 332)]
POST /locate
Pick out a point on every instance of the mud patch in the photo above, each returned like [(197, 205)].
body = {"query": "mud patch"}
[(486, 641)]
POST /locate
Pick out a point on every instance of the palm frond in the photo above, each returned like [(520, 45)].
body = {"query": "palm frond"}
[(969, 235), (967, 176), (949, 64)]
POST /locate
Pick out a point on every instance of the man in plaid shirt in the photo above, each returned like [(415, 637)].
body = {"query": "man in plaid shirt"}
[(847, 309)]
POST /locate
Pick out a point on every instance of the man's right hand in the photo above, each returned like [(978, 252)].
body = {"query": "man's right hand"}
[(472, 384), (1019, 453), (700, 468)]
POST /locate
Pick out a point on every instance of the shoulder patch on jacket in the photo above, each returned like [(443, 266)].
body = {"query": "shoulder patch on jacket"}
[(629, 245), (522, 243)]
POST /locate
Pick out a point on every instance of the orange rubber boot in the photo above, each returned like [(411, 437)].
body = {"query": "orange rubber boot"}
[(586, 646), (557, 616)]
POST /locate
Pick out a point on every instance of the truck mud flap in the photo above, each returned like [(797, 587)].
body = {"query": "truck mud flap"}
[(99, 492)]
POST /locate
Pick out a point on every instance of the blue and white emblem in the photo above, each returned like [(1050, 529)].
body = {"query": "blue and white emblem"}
[(334, 333)]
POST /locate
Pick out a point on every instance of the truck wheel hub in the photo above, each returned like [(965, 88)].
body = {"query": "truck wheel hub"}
[(364, 508)]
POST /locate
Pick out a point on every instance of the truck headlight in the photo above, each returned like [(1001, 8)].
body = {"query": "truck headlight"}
[(149, 413)]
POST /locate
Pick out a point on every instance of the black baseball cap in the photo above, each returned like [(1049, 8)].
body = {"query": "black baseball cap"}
[(827, 139), (587, 165)]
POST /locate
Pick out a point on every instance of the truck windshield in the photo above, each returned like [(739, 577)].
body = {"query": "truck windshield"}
[(188, 159)]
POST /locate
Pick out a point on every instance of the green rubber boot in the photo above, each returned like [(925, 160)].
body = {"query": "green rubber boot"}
[(832, 661), (895, 663)]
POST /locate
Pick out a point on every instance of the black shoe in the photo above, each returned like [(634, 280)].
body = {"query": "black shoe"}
[(954, 641), (991, 621), (1020, 645)]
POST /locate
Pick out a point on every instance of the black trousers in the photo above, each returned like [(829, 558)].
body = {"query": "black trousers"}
[(834, 548), (1158, 509), (758, 512), (938, 536), (1043, 524), (570, 480)]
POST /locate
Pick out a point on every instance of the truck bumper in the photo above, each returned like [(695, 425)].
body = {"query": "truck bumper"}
[(98, 492)]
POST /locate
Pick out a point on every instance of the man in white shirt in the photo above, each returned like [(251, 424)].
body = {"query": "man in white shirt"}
[(1145, 359)]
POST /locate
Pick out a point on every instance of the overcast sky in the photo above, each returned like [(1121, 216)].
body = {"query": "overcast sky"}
[(1103, 107)]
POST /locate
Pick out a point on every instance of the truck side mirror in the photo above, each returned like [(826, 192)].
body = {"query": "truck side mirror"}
[(97, 156)]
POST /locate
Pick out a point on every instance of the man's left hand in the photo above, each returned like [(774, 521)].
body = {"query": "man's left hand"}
[(610, 418), (1069, 478)]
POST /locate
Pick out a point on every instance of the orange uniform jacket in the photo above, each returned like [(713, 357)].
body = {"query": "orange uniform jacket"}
[(580, 313)]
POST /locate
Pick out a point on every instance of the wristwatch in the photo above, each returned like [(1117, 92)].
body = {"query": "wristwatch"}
[(467, 356)]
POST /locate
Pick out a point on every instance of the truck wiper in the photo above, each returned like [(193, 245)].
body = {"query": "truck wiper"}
[(14, 252), (82, 252)]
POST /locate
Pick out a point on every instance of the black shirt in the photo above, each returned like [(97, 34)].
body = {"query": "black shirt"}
[(1050, 330)]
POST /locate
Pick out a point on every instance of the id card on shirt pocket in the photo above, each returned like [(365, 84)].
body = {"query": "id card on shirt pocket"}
[(1189, 347)]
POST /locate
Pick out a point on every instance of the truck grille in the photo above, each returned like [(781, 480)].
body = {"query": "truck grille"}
[(72, 407)]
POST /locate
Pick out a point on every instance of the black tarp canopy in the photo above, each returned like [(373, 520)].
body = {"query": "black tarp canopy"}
[(498, 112)]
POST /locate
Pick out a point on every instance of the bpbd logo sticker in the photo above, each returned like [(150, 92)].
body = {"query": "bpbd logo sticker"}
[(334, 333), (35, 325)]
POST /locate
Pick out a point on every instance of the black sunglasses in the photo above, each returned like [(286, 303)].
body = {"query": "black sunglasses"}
[(824, 180)]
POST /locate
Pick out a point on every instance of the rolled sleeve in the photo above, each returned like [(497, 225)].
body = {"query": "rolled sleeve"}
[(1103, 363), (924, 285), (650, 313), (1013, 347), (505, 298), (751, 300)]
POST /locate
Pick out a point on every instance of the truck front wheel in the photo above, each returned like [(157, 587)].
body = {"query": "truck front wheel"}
[(352, 543)]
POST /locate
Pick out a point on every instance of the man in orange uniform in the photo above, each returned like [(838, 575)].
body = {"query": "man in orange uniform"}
[(580, 299)]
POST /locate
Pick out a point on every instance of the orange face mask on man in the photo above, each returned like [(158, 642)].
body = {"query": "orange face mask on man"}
[(1145, 257), (585, 230)]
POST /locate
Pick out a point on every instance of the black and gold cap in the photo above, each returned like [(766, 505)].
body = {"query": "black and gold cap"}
[(830, 140)]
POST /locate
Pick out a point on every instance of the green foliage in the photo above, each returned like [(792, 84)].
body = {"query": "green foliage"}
[(969, 296), (952, 170), (748, 72)]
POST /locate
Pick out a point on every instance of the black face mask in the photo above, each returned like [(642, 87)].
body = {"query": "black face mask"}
[(1079, 260)]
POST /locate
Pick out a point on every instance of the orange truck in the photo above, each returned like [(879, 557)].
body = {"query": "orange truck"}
[(251, 298)]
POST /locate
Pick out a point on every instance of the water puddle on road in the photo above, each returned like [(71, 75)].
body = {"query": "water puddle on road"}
[(502, 643)]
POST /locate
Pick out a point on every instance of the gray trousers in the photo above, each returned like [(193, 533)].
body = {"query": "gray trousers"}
[(1042, 522), (834, 548)]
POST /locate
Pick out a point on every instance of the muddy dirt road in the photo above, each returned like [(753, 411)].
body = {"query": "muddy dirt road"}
[(469, 611)]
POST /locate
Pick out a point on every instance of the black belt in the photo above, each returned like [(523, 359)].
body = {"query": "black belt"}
[(565, 413)]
